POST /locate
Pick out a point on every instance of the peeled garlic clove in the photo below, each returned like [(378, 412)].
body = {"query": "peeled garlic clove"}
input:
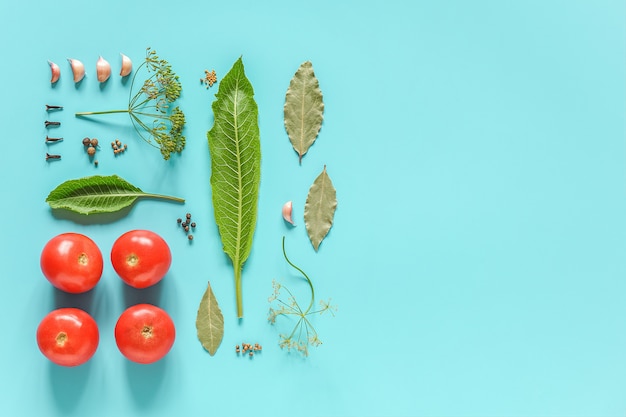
[(56, 72), (78, 69), (103, 69), (127, 66), (287, 209)]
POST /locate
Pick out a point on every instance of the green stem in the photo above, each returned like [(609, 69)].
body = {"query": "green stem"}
[(163, 197), (303, 274), (138, 122), (91, 113), (132, 85), (238, 269)]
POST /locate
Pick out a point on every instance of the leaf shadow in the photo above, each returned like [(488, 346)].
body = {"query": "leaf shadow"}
[(100, 218)]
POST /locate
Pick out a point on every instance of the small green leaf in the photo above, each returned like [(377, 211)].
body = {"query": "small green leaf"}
[(98, 194), (235, 148), (304, 109), (319, 209), (210, 322)]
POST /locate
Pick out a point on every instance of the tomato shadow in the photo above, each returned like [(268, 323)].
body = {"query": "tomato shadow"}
[(145, 381), (83, 301), (68, 385), (150, 295)]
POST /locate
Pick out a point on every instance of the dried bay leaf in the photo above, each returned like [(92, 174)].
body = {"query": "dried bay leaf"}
[(235, 148), (210, 322), (319, 209), (304, 109)]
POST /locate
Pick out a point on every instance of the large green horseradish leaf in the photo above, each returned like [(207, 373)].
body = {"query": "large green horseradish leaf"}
[(235, 149), (210, 322), (319, 209), (304, 109), (98, 194)]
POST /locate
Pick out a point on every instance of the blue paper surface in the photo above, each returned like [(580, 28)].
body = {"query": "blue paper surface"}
[(477, 256)]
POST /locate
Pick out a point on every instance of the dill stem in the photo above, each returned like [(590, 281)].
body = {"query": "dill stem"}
[(305, 276), (90, 113)]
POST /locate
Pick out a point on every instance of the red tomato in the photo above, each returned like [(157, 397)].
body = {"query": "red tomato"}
[(141, 258), (72, 262), (144, 333), (68, 336)]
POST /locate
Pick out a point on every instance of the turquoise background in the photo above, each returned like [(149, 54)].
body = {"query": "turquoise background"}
[(477, 256)]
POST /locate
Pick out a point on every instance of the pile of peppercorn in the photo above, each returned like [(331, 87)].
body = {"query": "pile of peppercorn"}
[(186, 225)]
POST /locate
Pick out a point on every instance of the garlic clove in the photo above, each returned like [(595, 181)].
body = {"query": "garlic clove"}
[(103, 69), (287, 210), (78, 69), (127, 66), (56, 72)]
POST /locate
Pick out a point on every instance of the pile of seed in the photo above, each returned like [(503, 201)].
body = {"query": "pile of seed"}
[(187, 225), (210, 78), (247, 347), (118, 147)]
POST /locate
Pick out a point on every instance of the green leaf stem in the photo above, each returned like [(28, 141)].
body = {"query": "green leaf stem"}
[(234, 145)]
